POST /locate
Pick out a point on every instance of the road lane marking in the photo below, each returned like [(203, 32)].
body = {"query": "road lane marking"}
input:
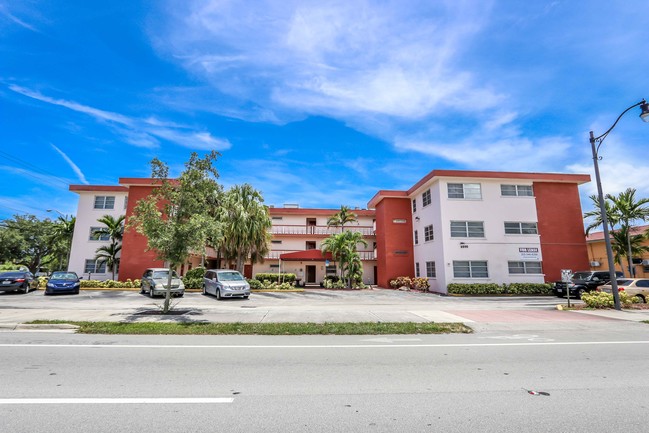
[(330, 346), (127, 400)]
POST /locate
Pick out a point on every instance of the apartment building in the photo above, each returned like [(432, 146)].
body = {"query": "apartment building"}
[(599, 261), (452, 226)]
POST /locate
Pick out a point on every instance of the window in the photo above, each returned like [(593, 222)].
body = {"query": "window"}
[(428, 233), (425, 198), (524, 267), (310, 245), (416, 237), (94, 236), (104, 202), (276, 218), (276, 242), (417, 269), (414, 205), (467, 229), (92, 267), (517, 190), (467, 191), (470, 269), (125, 202), (516, 228), (430, 270)]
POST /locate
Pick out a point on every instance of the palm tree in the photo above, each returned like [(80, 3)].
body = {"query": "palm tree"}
[(115, 231), (342, 217), (114, 227), (597, 214), (63, 232), (246, 225), (627, 210), (108, 253), (344, 248), (620, 247)]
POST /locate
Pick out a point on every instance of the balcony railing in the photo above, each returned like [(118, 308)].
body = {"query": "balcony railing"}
[(274, 254), (318, 230)]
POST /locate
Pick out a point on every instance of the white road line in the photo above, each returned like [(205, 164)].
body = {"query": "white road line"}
[(331, 346), (139, 400)]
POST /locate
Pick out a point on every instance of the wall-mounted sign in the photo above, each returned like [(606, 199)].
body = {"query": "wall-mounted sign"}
[(399, 221), (529, 253)]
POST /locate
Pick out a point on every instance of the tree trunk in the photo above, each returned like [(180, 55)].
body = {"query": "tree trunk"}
[(165, 308), (629, 253)]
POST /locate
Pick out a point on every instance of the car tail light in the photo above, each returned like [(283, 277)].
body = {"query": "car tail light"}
[(620, 289), (20, 280)]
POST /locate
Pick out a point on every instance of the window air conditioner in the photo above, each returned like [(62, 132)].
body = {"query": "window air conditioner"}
[(645, 262), (594, 264)]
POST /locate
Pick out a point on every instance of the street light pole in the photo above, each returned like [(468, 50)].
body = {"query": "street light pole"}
[(595, 143)]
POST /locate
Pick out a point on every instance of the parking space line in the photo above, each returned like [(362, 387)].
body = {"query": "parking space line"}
[(126, 400)]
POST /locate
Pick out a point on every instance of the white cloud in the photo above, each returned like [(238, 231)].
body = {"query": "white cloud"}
[(136, 131), (72, 165)]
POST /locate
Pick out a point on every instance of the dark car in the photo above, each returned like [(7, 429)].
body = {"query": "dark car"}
[(582, 282), (63, 282), (15, 281)]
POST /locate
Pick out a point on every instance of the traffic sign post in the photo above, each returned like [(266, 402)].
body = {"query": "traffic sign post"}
[(566, 277)]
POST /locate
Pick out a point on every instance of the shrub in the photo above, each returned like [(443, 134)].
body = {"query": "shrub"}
[(255, 284), (273, 277), (96, 284), (475, 289), (605, 300), (193, 279), (419, 283), (529, 289), (333, 284), (401, 282)]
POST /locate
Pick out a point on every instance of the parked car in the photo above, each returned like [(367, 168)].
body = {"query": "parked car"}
[(63, 282), (583, 281), (155, 280), (225, 283), (16, 281), (633, 286)]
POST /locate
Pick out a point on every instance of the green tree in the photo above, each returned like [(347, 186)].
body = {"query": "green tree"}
[(245, 223), (109, 254), (344, 248), (63, 232), (114, 229), (621, 241), (595, 215), (28, 241), (175, 218), (342, 217), (628, 210)]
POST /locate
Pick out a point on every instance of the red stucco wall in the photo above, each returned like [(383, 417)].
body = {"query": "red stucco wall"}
[(134, 258), (561, 228), (395, 256)]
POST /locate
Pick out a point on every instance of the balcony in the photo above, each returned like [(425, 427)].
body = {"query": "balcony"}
[(305, 230), (274, 254)]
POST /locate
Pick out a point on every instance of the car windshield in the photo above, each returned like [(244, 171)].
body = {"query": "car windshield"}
[(230, 276), (12, 275), (624, 282), (164, 274), (584, 276), (64, 276)]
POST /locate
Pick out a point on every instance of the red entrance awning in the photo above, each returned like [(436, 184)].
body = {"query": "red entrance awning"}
[(306, 255)]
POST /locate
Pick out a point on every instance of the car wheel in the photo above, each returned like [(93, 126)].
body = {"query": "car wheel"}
[(151, 292), (26, 288), (76, 292), (642, 299), (218, 294), (142, 289), (246, 297), (180, 295), (204, 291), (580, 292)]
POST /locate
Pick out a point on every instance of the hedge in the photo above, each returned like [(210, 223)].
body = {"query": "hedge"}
[(605, 300), (269, 285), (500, 289), (274, 277), (193, 279)]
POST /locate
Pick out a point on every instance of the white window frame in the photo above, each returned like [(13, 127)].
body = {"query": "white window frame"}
[(426, 198), (526, 267), (101, 202), (431, 271), (97, 268), (103, 238), (521, 228), (414, 205), (473, 267), (468, 191), (416, 238), (468, 233), (429, 234), (516, 190), (417, 269)]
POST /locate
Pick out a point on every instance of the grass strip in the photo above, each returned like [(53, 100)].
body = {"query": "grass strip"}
[(193, 328)]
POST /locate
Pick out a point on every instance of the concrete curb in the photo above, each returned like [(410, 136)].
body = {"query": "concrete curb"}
[(36, 326)]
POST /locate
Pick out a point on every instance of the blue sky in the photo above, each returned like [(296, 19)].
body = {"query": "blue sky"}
[(320, 103)]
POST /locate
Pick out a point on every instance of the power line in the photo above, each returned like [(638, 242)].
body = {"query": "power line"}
[(33, 167)]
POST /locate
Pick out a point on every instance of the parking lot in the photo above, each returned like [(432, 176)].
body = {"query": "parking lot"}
[(312, 305)]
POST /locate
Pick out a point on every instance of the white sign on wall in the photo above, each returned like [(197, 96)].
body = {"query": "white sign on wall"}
[(529, 253)]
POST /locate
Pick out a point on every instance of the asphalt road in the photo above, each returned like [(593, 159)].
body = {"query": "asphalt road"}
[(485, 382)]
